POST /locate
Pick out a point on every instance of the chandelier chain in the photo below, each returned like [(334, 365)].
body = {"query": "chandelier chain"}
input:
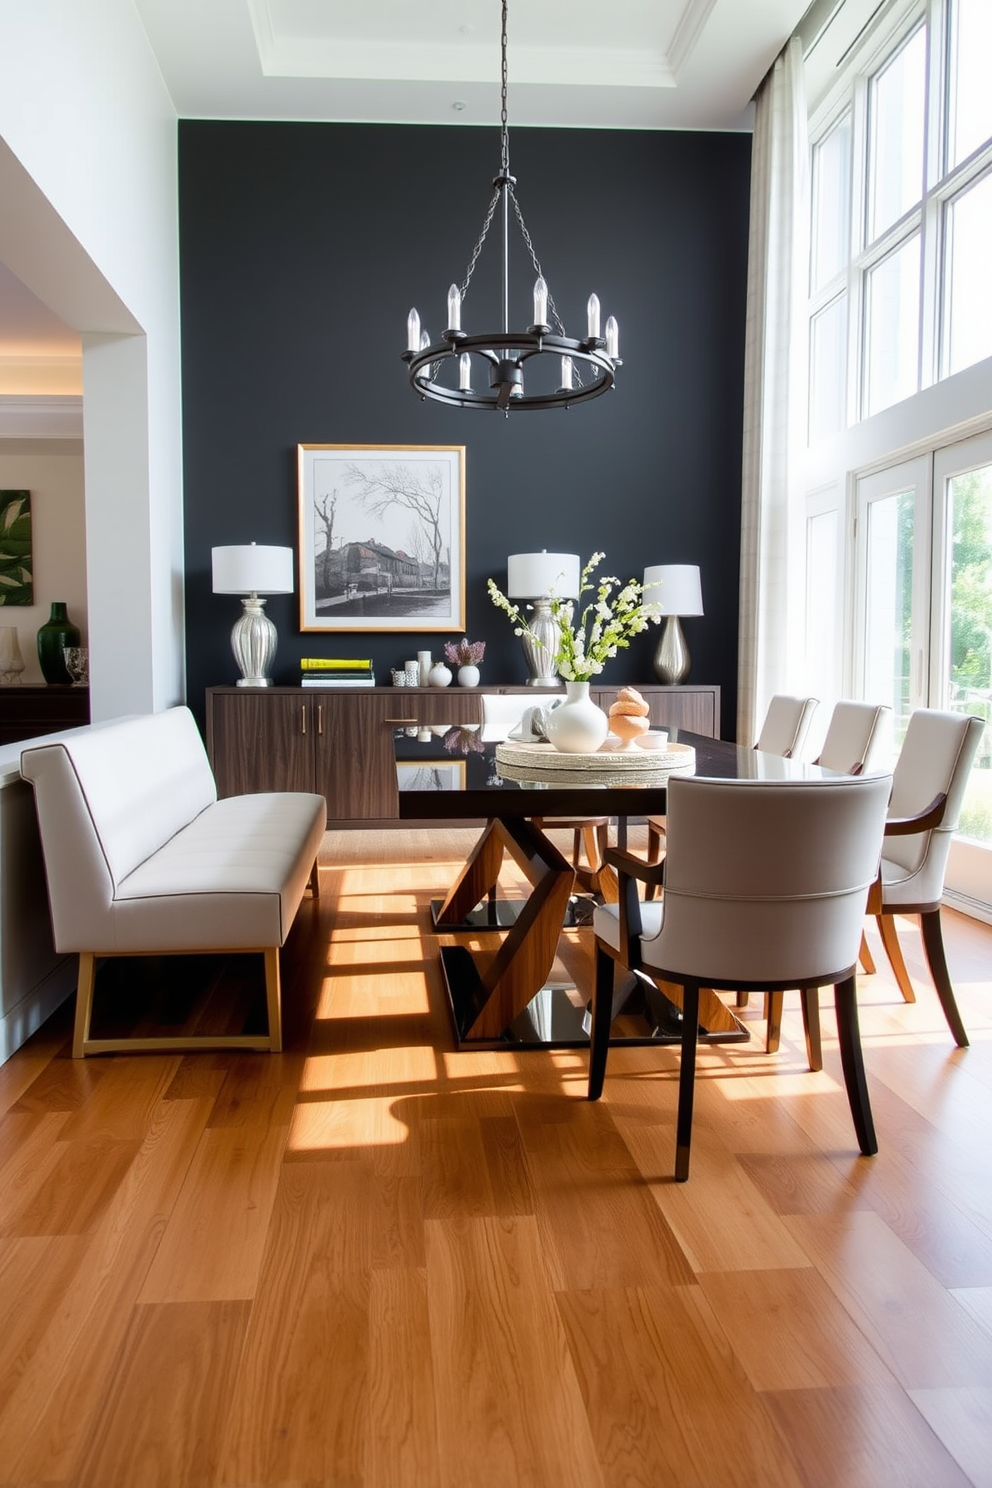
[(503, 116), (534, 260), (463, 288)]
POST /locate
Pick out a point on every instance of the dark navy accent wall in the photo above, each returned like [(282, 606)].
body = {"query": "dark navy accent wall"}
[(303, 246)]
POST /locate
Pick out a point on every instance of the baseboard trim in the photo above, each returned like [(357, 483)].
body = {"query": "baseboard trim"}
[(17, 1026), (964, 904)]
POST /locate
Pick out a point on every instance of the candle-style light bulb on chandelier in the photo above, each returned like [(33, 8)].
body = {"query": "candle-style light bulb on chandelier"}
[(566, 370)]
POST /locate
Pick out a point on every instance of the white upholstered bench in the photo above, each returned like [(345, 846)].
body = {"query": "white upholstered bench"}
[(142, 858)]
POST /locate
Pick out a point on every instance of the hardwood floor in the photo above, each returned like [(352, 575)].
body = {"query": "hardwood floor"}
[(374, 1262)]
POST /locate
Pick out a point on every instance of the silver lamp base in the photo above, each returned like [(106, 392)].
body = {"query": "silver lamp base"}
[(253, 641), (671, 658), (541, 648)]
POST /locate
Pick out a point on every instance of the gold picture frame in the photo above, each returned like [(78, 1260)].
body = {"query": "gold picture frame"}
[(382, 537)]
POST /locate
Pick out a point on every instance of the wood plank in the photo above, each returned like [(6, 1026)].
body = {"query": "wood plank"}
[(230, 1192), (861, 1437), (300, 1407), (720, 1219), (921, 1333), (667, 1400), (177, 1363), (120, 1104), (28, 1146), (455, 1171), (977, 1301), (35, 1275), (962, 1419), (402, 1446), (596, 1218), (77, 1184), (505, 1387), (32, 1059), (48, 1415), (766, 1317)]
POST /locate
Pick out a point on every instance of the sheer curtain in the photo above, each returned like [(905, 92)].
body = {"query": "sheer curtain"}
[(775, 379)]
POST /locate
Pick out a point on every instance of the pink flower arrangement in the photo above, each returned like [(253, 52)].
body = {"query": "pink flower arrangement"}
[(464, 652), (463, 741)]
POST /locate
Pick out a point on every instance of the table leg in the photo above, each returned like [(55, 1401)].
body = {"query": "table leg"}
[(485, 1004)]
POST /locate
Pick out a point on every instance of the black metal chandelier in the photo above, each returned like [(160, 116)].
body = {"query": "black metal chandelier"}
[(566, 370)]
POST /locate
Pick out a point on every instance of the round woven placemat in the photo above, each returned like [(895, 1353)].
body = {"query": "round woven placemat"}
[(524, 760)]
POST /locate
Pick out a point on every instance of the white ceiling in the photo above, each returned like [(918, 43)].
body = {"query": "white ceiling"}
[(623, 64), (626, 64)]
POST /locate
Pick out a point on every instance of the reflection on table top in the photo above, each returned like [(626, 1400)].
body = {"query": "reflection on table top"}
[(452, 772)]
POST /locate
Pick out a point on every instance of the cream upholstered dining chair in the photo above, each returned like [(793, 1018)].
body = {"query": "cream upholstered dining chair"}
[(765, 887), (501, 713), (928, 786), (783, 732), (858, 738), (786, 725)]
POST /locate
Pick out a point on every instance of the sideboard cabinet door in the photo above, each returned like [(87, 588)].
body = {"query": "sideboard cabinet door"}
[(354, 763), (260, 741)]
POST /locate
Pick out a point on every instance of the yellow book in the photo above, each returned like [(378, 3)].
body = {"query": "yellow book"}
[(334, 664)]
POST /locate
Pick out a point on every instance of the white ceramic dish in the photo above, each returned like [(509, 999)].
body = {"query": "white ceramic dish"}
[(656, 739)]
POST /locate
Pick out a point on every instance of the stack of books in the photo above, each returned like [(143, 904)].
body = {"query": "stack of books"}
[(335, 671)]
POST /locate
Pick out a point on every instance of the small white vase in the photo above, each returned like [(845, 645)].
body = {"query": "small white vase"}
[(440, 676), (578, 725), (468, 676)]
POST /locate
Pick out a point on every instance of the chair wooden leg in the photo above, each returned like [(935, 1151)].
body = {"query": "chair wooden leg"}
[(273, 998), (865, 957), (773, 1016), (852, 1061), (602, 1016), (890, 940), (811, 1026), (933, 944), (742, 998), (655, 837), (84, 1004), (314, 881), (687, 1079), (593, 841)]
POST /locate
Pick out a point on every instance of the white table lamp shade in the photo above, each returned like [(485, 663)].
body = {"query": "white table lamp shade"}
[(675, 588), (252, 568), (530, 575)]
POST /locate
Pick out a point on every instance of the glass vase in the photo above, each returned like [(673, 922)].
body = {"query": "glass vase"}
[(57, 632)]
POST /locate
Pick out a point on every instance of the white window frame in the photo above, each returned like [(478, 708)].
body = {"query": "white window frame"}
[(946, 411)]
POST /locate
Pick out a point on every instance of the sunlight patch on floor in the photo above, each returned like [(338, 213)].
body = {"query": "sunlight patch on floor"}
[(337, 1125)]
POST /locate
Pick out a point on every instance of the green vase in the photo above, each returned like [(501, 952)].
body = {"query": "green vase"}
[(57, 632)]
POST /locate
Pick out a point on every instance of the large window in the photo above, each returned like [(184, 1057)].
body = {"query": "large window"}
[(901, 215), (899, 495)]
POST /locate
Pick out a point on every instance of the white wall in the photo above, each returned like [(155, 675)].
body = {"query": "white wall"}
[(52, 470), (90, 225)]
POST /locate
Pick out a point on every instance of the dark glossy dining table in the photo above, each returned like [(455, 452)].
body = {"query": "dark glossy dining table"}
[(505, 998)]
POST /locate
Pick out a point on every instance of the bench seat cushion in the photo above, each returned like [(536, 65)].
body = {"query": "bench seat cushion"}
[(233, 878)]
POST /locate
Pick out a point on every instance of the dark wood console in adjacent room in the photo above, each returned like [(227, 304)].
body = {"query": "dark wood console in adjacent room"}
[(339, 741), (27, 712)]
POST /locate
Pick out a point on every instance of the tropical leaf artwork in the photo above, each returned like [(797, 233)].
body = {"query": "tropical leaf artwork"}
[(16, 586)]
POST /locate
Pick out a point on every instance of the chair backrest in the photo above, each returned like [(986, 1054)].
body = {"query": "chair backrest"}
[(768, 880), (936, 757), (501, 712), (786, 725), (107, 798), (858, 738)]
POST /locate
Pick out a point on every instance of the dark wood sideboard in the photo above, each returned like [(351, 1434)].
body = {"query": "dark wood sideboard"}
[(340, 742), (26, 712)]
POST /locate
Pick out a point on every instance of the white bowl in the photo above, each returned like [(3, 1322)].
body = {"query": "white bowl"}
[(656, 739)]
